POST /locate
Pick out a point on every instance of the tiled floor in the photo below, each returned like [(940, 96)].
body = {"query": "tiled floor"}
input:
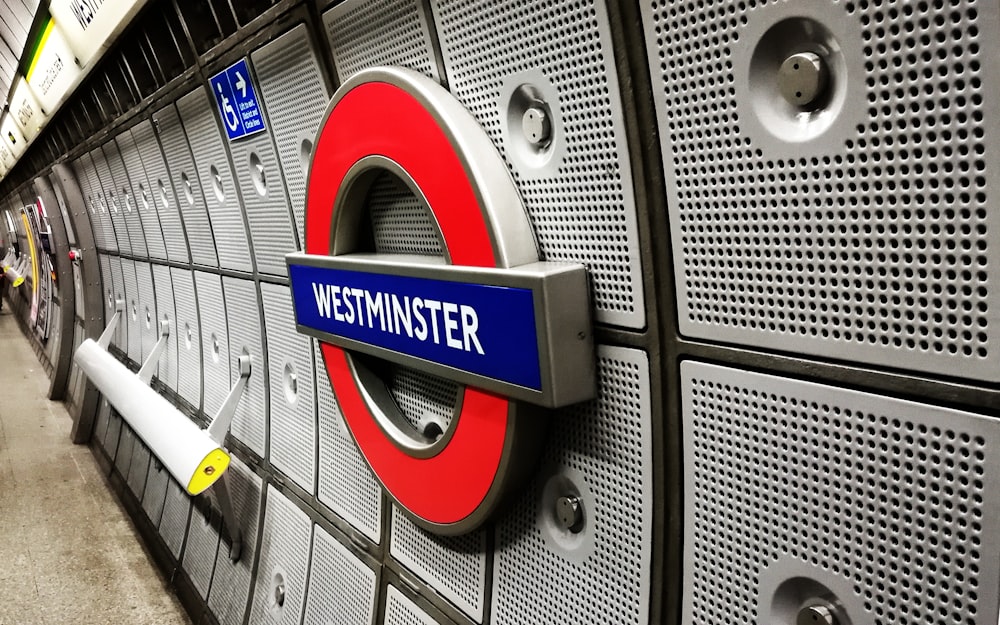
[(68, 553)]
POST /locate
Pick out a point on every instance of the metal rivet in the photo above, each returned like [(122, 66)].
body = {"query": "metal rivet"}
[(802, 79), (816, 615), (209, 470), (279, 594), (536, 126), (569, 511)]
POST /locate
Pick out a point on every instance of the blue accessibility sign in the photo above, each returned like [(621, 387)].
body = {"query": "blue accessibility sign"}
[(239, 107)]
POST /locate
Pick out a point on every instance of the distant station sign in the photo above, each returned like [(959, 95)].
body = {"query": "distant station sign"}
[(239, 107)]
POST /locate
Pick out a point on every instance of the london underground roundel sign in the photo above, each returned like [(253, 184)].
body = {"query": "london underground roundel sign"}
[(513, 331)]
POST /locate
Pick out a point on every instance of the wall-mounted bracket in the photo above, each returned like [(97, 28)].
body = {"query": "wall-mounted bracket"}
[(229, 520), (146, 371), (109, 330), (223, 419)]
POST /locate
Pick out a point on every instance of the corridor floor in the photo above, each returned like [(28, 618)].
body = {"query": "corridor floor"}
[(68, 553)]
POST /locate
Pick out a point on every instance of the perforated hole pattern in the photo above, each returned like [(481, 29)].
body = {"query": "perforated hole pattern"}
[(378, 32), (585, 212), (880, 241), (421, 396), (400, 221), (341, 587), (399, 610), (608, 441), (861, 487), (454, 566)]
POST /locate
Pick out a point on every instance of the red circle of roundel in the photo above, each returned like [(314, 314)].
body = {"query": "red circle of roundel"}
[(381, 119)]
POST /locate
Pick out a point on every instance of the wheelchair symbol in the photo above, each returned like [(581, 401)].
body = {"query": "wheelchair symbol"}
[(232, 119)]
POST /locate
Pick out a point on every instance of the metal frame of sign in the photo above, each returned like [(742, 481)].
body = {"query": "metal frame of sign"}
[(562, 321), (394, 119)]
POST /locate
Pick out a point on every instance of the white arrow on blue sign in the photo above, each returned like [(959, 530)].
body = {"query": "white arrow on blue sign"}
[(239, 108)]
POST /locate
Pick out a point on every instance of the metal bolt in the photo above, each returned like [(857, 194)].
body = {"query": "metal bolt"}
[(279, 594), (209, 470), (569, 511), (816, 615), (802, 79), (536, 126)]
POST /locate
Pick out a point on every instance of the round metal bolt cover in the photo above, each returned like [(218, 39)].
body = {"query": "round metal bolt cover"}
[(536, 126), (569, 511), (802, 78), (816, 615), (279, 594)]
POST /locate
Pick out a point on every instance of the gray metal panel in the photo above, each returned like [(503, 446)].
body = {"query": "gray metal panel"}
[(90, 186), (101, 423), (454, 566), (371, 33), (214, 340), (601, 452), (399, 610), (189, 345), (111, 290), (295, 96), (161, 192), (102, 177), (346, 484), (342, 588), (144, 202), (147, 313), (887, 503), (155, 493), (126, 195), (173, 522), (131, 313), (200, 551), (865, 230), (168, 363), (286, 543), (216, 179), (123, 459), (579, 190), (243, 306), (230, 591), (138, 469), (113, 433), (262, 187), (290, 382), (112, 200), (122, 290), (187, 187)]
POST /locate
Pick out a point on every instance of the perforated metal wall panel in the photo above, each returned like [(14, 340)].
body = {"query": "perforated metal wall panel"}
[(286, 543), (118, 227), (864, 231), (369, 33), (101, 423), (161, 191), (600, 452), (215, 176), (113, 289), (262, 188), (138, 468), (123, 458), (201, 551), (214, 340), (399, 610), (173, 522), (290, 379), (189, 345), (143, 196), (230, 591), (146, 311), (243, 307), (453, 566), (130, 316), (295, 97), (501, 59), (156, 491), (113, 434), (101, 186), (342, 589), (167, 369), (401, 222), (84, 168), (187, 186), (346, 484), (883, 502), (126, 196)]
